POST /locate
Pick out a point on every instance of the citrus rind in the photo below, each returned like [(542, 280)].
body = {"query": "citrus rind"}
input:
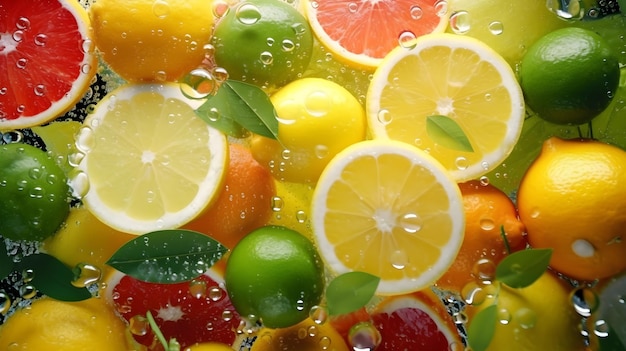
[(491, 116), (366, 219), (197, 147)]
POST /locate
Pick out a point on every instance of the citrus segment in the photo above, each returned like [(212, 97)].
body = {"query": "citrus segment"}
[(459, 78), (364, 32), (391, 210), (45, 65), (150, 162)]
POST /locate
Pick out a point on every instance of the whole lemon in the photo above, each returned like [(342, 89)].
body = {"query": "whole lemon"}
[(317, 118), (148, 40), (573, 199), (537, 317)]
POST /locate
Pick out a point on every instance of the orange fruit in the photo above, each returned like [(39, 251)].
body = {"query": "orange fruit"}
[(343, 26), (573, 199), (42, 74), (244, 204), (487, 210)]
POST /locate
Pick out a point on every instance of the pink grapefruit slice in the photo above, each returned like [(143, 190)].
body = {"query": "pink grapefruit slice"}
[(46, 60)]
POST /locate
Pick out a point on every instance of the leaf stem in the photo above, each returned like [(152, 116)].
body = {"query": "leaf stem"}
[(172, 346), (504, 238)]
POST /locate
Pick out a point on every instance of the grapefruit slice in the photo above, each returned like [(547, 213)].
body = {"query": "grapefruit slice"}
[(363, 32), (46, 60)]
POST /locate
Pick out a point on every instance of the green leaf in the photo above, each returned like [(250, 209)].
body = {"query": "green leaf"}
[(611, 342), (445, 131), (6, 262), (53, 278), (482, 328), (167, 256), (522, 268), (237, 107), (350, 291)]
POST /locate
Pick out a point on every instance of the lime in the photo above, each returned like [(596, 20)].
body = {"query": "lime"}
[(267, 42), (275, 274), (569, 76), (34, 193)]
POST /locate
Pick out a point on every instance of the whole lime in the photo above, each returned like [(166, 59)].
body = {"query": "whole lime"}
[(275, 274), (569, 76), (263, 42), (34, 193)]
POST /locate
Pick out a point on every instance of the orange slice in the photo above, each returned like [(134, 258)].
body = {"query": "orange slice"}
[(389, 209), (46, 60), (363, 32)]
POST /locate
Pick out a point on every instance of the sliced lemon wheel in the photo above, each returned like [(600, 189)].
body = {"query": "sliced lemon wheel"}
[(148, 162), (460, 80), (389, 209)]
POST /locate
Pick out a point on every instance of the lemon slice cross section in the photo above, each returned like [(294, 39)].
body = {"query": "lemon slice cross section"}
[(389, 209), (148, 162), (456, 77)]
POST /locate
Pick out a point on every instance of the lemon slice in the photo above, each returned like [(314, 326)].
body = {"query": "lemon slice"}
[(389, 209), (148, 162), (459, 78)]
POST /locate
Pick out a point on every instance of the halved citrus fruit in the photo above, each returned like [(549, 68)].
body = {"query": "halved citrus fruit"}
[(46, 60), (362, 33), (389, 209), (148, 162), (451, 96)]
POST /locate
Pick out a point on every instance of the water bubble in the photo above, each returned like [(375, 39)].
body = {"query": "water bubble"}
[(384, 117), (215, 293), (40, 90), (364, 336), (41, 39), (459, 318), (411, 223), (80, 184), (27, 291), (601, 328), (484, 270), (301, 216), (504, 316), (197, 288), (22, 23), (496, 27), (28, 275), (318, 103), (266, 58), (85, 140), (21, 63), (566, 9), (585, 301), (441, 8), (461, 163), (487, 224), (248, 14), (18, 36), (161, 8), (525, 317), (321, 151), (406, 39), (288, 45), (277, 203), (198, 84), (227, 315), (353, 7), (318, 314), (416, 12), (138, 325), (484, 180), (5, 302), (460, 22), (473, 294), (399, 259)]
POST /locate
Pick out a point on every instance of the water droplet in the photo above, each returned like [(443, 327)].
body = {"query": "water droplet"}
[(215, 293), (227, 315), (5, 302), (525, 317), (28, 275), (277, 203), (585, 301), (411, 223), (496, 28), (484, 270), (27, 291), (80, 184), (583, 248), (416, 12), (567, 9), (601, 328), (18, 36), (473, 294), (318, 314), (459, 318), (40, 90), (288, 45), (487, 224), (399, 259), (138, 325), (41, 39), (22, 23), (197, 288), (384, 117), (318, 103), (300, 305), (406, 39), (460, 22), (161, 8), (461, 163), (504, 316), (21, 63), (441, 8), (248, 14), (484, 180), (364, 336), (198, 84), (301, 216)]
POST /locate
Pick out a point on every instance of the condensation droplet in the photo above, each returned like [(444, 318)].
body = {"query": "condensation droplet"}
[(411, 223), (399, 259), (585, 301), (496, 28), (248, 14), (161, 8), (406, 39), (525, 317), (41, 39), (460, 22), (138, 325), (364, 336), (416, 12), (198, 288), (318, 314), (5, 302)]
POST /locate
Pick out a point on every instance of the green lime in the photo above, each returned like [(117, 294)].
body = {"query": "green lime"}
[(569, 76), (263, 42), (34, 193), (275, 274)]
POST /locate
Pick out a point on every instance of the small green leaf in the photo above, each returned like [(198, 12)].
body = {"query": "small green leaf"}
[(445, 131), (522, 268), (238, 106), (6, 262), (167, 256), (482, 328), (350, 291), (53, 278), (611, 342)]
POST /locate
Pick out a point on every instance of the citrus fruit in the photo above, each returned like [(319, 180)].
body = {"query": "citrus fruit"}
[(363, 33), (509, 28), (263, 42), (389, 209), (45, 66), (149, 162), (244, 203), (304, 336), (488, 212), (292, 207), (537, 317), (275, 274), (209, 346), (49, 324), (572, 200), (147, 40), (317, 118), (191, 312), (58, 137), (443, 89), (83, 239), (34, 193), (569, 76), (417, 321)]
